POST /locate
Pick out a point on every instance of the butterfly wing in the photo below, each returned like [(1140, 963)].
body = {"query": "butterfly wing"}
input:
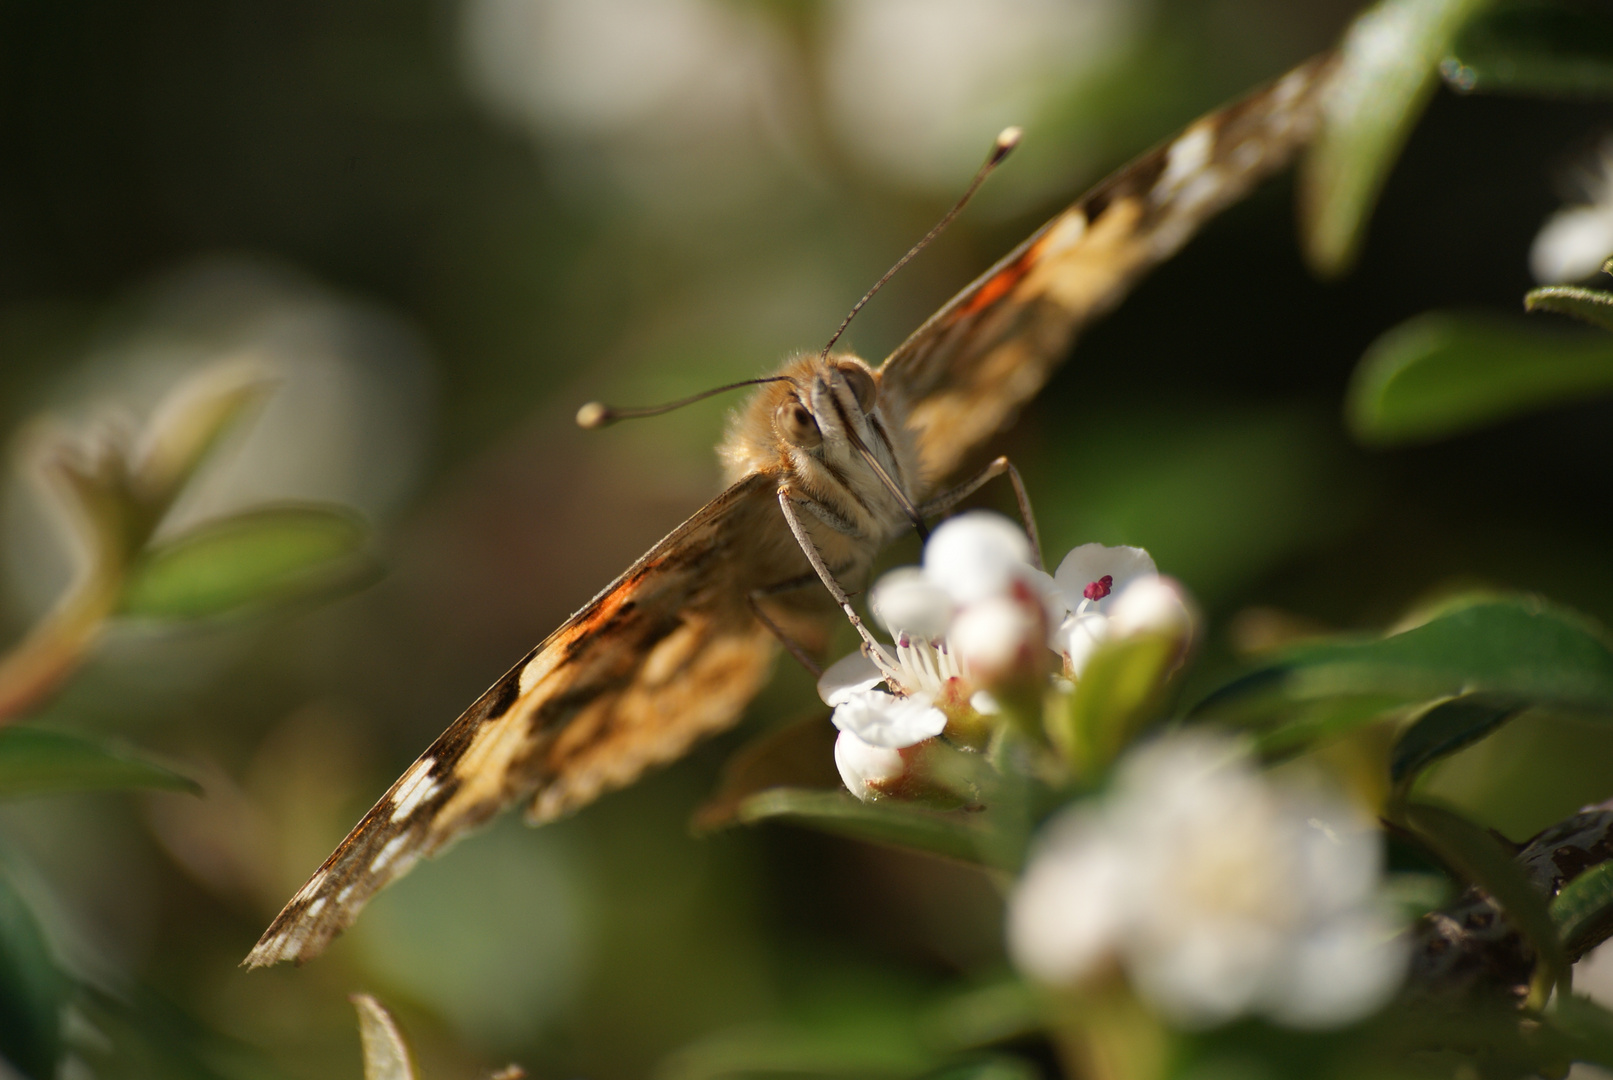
[(668, 653), (964, 374)]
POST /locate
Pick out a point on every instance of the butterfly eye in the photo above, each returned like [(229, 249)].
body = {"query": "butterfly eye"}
[(863, 387), (795, 423)]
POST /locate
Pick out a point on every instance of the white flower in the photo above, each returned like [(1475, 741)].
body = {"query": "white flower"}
[(1218, 891), (1576, 240), (1114, 591)]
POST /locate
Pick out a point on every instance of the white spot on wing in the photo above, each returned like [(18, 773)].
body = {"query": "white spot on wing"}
[(314, 908), (387, 853), (1186, 158), (311, 887), (1065, 233), (416, 787)]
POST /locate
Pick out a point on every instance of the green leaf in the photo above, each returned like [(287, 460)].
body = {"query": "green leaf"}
[(1583, 909), (1588, 1024), (1479, 859), (986, 1067), (965, 836), (1551, 49), (1445, 729), (1389, 63), (33, 990), (386, 1056), (1587, 305), (1518, 647), (34, 761), (1119, 690), (1440, 373), (256, 559)]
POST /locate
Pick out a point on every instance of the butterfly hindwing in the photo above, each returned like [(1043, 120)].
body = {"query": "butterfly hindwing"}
[(668, 653), (964, 374)]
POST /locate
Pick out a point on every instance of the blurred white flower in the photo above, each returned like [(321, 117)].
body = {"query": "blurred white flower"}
[(1218, 891), (1576, 240), (919, 87)]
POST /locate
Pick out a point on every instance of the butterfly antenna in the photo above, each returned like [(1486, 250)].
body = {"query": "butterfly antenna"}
[(597, 414), (1006, 141)]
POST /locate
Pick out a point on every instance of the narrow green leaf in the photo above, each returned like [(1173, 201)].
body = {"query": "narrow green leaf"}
[(1445, 729), (1516, 647), (1583, 909), (1587, 305), (1441, 373), (1551, 49), (260, 558), (1389, 63), (386, 1056), (1479, 859), (34, 761), (33, 991), (957, 835)]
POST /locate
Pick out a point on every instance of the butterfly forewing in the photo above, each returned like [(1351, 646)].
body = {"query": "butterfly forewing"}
[(670, 652), (963, 376)]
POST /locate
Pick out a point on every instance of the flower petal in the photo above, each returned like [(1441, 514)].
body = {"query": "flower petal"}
[(851, 674), (1068, 913), (882, 719), (1093, 562), (1151, 605), (907, 601)]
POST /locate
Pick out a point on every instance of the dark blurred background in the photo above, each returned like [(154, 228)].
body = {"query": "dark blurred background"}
[(449, 222)]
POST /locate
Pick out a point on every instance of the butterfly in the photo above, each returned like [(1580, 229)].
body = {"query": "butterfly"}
[(830, 459)]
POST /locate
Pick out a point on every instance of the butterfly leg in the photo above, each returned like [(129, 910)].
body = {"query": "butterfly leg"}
[(947, 500), (871, 645), (794, 647)]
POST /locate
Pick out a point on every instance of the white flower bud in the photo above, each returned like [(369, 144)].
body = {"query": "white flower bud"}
[(863, 766), (976, 555), (1151, 605)]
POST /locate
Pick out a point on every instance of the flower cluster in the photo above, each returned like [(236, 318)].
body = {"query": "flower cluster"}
[(1216, 890), (1576, 240), (978, 623)]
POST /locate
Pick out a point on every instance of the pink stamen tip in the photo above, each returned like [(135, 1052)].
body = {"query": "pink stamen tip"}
[(903, 641), (1100, 588)]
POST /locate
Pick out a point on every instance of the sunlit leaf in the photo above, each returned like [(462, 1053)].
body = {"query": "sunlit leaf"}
[(957, 835), (1440, 374), (188, 424), (1552, 49), (1583, 909), (1588, 305), (33, 991), (1389, 62), (34, 761), (1517, 647), (386, 1056), (1479, 859), (1445, 729), (263, 557)]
